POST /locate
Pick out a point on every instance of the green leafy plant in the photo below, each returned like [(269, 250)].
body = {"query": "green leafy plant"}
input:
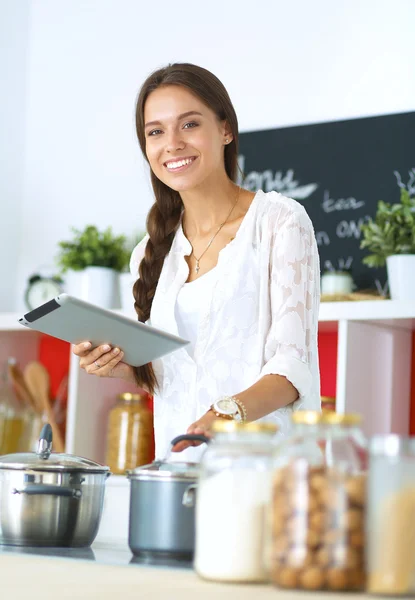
[(392, 231), (91, 247)]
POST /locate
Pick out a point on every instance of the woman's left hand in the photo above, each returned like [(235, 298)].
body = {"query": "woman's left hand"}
[(202, 426)]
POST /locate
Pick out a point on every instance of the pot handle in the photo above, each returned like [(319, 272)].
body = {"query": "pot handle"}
[(190, 437), (48, 490), (189, 496)]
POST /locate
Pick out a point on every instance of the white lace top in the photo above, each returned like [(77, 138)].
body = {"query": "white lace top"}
[(259, 317)]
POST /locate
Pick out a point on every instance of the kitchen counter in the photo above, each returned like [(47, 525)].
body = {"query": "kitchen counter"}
[(103, 573)]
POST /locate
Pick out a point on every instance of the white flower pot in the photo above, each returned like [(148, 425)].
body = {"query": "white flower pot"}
[(126, 293), (401, 276), (97, 285)]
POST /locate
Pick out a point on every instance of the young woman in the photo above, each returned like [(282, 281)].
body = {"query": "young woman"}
[(234, 272)]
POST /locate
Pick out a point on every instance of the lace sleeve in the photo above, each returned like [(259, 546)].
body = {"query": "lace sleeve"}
[(294, 297), (137, 256)]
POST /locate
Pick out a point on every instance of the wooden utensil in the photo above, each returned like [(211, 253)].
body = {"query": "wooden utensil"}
[(21, 389), (37, 379)]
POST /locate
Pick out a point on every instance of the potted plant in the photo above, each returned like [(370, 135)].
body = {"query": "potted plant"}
[(390, 238), (126, 279), (91, 263)]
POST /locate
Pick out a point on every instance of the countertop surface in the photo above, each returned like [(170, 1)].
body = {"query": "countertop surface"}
[(104, 573)]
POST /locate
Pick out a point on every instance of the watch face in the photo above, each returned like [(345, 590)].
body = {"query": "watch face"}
[(226, 406), (40, 291)]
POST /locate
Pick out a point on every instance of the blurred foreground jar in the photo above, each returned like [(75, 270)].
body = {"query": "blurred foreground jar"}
[(233, 493), (130, 434), (328, 403), (391, 516), (317, 512)]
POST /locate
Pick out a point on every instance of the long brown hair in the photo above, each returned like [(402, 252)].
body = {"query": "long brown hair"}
[(164, 216)]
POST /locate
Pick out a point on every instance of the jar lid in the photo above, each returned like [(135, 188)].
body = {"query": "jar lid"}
[(44, 460), (163, 470), (313, 417), (129, 397), (228, 426)]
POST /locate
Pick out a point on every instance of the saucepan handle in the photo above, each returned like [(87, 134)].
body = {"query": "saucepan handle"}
[(190, 437), (48, 490), (189, 496)]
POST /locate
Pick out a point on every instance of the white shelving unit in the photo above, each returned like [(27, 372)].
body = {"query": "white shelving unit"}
[(373, 371)]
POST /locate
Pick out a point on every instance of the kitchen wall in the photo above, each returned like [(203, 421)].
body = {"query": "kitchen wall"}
[(14, 42), (76, 67)]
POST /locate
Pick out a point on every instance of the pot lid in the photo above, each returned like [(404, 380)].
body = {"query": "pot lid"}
[(163, 470), (44, 460), (175, 470)]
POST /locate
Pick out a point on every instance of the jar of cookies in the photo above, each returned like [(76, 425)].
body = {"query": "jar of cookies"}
[(130, 441), (317, 511)]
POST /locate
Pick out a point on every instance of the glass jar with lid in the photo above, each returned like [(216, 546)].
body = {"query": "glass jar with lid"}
[(130, 441), (317, 511), (390, 516), (233, 494)]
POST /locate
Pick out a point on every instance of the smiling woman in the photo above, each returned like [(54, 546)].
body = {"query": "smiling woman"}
[(236, 273)]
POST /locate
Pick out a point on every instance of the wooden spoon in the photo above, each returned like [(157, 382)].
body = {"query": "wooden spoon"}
[(21, 389), (37, 380)]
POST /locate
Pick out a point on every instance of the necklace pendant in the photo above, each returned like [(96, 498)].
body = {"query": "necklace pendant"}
[(197, 267)]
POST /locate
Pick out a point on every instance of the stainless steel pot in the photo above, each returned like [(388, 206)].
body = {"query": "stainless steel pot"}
[(162, 507), (50, 499)]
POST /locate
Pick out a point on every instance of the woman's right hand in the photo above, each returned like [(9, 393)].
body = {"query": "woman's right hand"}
[(103, 361)]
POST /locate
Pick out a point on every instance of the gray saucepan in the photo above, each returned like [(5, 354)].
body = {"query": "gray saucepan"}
[(162, 507)]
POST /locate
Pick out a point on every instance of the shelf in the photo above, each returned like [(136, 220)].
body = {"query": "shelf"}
[(10, 322), (379, 310), (387, 312)]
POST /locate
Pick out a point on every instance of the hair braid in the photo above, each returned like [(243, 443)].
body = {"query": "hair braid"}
[(162, 222)]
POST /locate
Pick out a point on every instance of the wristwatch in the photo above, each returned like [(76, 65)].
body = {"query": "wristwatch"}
[(226, 408)]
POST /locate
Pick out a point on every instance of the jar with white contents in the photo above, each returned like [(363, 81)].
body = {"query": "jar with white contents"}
[(233, 494)]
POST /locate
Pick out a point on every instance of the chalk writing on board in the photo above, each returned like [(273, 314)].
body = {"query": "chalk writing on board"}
[(331, 204), (410, 186), (322, 238), (278, 181), (351, 228), (343, 264)]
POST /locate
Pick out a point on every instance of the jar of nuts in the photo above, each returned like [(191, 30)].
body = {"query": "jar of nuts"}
[(130, 441), (317, 512)]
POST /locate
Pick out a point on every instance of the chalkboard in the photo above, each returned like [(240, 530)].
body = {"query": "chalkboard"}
[(338, 171)]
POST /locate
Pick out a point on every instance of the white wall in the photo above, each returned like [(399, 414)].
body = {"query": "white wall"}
[(283, 62), (14, 40)]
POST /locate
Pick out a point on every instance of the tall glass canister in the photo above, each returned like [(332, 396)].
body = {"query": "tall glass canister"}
[(391, 516), (233, 494)]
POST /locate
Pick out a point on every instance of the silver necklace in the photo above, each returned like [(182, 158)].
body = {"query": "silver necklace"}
[(197, 269)]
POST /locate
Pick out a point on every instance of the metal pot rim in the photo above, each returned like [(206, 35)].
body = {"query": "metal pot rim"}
[(56, 468), (164, 471), (166, 477)]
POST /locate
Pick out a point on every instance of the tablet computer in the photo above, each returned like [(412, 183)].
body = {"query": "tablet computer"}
[(74, 320)]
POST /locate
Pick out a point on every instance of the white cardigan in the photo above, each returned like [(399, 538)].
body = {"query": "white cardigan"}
[(260, 317)]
